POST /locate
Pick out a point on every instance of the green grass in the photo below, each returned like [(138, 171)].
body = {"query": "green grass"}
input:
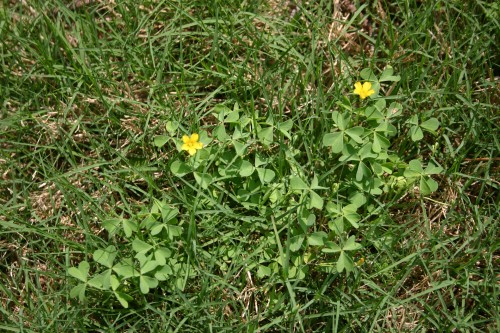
[(84, 92)]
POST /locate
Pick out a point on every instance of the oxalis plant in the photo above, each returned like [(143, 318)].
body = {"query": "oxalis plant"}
[(248, 172)]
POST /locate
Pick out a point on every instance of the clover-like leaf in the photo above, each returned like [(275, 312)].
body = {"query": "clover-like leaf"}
[(246, 168), (146, 283), (387, 75), (316, 201), (179, 168), (78, 291), (105, 257), (317, 238), (334, 140), (296, 183), (331, 247), (351, 245), (161, 140), (430, 125), (140, 246), (355, 133), (203, 179), (125, 270), (265, 175), (123, 298), (164, 273), (266, 135), (296, 242), (81, 273)]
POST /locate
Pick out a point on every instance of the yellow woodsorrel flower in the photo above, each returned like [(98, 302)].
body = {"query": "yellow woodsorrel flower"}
[(363, 90), (191, 144)]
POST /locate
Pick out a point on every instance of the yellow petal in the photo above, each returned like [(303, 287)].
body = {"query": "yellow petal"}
[(185, 147), (198, 145), (194, 137), (192, 151), (185, 138), (367, 86)]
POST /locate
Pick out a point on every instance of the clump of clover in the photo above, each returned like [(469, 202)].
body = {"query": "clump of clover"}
[(249, 174)]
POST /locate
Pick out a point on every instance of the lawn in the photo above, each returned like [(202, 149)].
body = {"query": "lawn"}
[(249, 166)]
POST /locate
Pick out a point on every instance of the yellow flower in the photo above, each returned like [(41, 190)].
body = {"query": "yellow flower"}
[(364, 90), (191, 144)]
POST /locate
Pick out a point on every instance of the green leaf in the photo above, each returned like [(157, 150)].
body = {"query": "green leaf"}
[(171, 126), (263, 271), (146, 283), (173, 231), (112, 225), (366, 151), (78, 291), (96, 282), (345, 262), (351, 245), (232, 117), (167, 213), (387, 75), (394, 110), (239, 148), (427, 186), (380, 142), (430, 125), (317, 238), (380, 104), (296, 183), (260, 160), (161, 255), (161, 140), (140, 246), (286, 125), (220, 133), (123, 298), (316, 201), (362, 172), (205, 139), (129, 226), (334, 140), (265, 135), (337, 225), (105, 257), (125, 270), (179, 168), (164, 273), (81, 273), (203, 179), (306, 219), (246, 168), (367, 74), (416, 165), (221, 111), (148, 266), (296, 242), (331, 247), (340, 120), (416, 133), (265, 175), (115, 283), (355, 133), (104, 279), (157, 229), (433, 169), (349, 213), (371, 113)]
